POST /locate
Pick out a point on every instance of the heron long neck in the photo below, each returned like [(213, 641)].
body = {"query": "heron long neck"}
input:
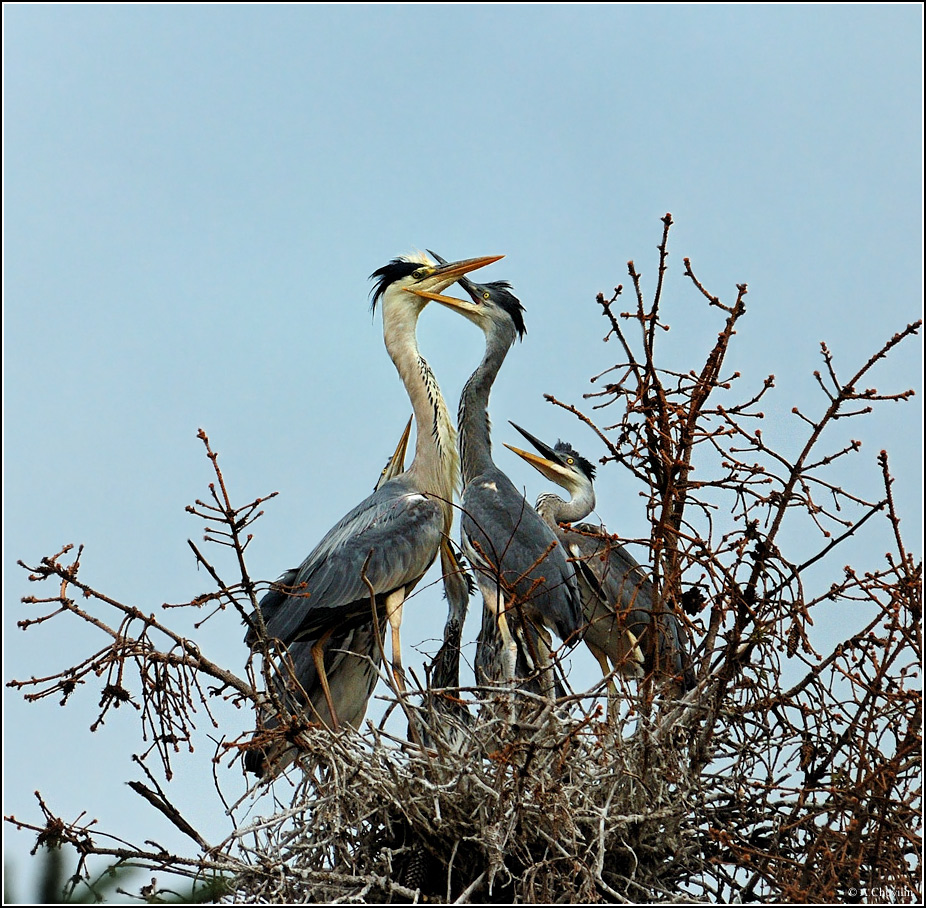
[(554, 510), (473, 418), (436, 466)]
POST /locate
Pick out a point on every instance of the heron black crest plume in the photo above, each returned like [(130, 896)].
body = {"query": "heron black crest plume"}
[(566, 450), (389, 274), (501, 294)]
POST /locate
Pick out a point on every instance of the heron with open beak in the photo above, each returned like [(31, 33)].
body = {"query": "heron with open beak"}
[(617, 595), (519, 565), (380, 550)]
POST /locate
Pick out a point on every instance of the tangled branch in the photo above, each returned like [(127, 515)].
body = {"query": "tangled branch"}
[(791, 772)]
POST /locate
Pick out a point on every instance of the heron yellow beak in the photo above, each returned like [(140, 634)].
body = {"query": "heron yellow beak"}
[(453, 270), (397, 462), (444, 275), (450, 301), (548, 468)]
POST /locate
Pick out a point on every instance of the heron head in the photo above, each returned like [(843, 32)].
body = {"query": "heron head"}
[(418, 272), (491, 304), (561, 464)]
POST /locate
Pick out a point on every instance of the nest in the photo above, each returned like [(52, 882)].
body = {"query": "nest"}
[(536, 801)]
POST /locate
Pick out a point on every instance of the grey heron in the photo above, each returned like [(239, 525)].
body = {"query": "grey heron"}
[(386, 543), (617, 595), (351, 660), (520, 567), (443, 711)]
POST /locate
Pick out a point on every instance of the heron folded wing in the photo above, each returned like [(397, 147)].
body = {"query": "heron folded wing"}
[(625, 586), (516, 546), (391, 539), (351, 664)]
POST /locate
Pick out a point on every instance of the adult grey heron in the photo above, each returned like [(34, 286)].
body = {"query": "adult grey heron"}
[(351, 660), (520, 566), (383, 547), (617, 595)]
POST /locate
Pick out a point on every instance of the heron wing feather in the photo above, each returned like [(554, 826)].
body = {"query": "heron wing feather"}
[(620, 587), (392, 538), (501, 529)]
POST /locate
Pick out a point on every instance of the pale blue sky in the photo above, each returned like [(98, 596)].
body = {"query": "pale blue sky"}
[(195, 196)]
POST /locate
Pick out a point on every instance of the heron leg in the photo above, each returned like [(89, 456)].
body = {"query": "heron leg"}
[(318, 657), (545, 654), (631, 655), (510, 647), (602, 658), (394, 603), (495, 604)]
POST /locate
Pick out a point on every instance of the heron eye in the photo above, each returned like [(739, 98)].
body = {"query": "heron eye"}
[(570, 461), (486, 295), (418, 275)]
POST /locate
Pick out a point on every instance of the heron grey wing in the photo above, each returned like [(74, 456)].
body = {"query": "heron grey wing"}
[(603, 629), (613, 573), (273, 600), (555, 599), (391, 538), (503, 531), (626, 583), (634, 593)]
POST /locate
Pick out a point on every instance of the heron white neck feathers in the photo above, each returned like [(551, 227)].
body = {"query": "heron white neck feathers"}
[(436, 464)]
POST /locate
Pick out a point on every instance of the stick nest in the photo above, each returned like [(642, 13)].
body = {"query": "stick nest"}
[(539, 806)]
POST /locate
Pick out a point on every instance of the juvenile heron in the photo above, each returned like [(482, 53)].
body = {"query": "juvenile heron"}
[(385, 544), (445, 717), (520, 566), (351, 660), (617, 595)]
